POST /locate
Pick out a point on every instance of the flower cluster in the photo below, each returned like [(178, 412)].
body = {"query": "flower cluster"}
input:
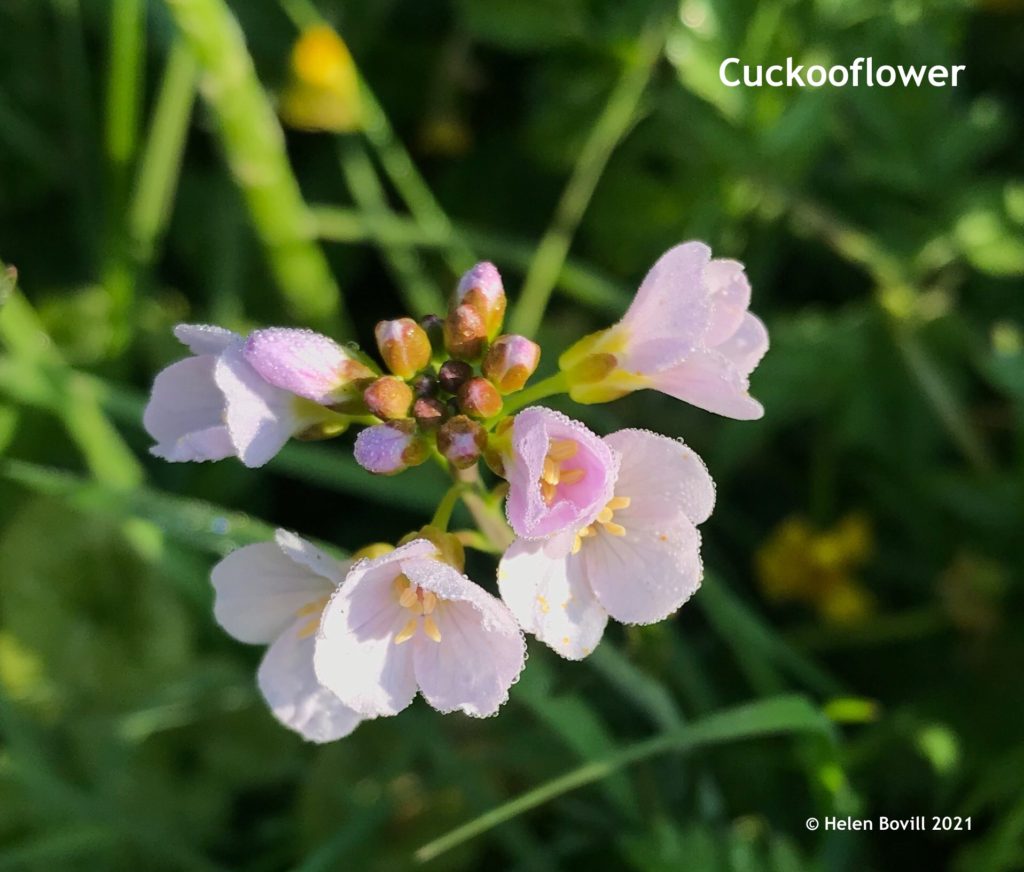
[(597, 527)]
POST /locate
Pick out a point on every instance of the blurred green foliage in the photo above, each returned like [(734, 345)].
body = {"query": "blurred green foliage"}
[(883, 231)]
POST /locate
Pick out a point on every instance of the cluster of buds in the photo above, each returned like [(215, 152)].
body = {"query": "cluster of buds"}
[(601, 527), (447, 380)]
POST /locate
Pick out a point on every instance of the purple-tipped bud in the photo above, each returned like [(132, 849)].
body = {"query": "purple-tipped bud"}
[(482, 289), (510, 362), (453, 375), (388, 397), (387, 449), (424, 385), (429, 413), (461, 441), (403, 345), (434, 327), (465, 333), (478, 398), (307, 364)]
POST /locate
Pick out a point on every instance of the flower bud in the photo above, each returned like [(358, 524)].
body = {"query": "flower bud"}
[(481, 288), (388, 397), (404, 346), (433, 325), (465, 333), (424, 385), (478, 398), (510, 362), (387, 449), (453, 374), (429, 413), (461, 441), (449, 548)]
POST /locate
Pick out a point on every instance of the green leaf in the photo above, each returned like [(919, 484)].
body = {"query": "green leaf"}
[(774, 716)]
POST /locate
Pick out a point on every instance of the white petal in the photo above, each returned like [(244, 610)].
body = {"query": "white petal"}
[(729, 291), (260, 417), (260, 591), (481, 652), (204, 338), (544, 586), (661, 476), (671, 310), (290, 687), (185, 413), (356, 656), (747, 345), (709, 380), (308, 555), (644, 576)]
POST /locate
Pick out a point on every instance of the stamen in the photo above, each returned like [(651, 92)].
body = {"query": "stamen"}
[(571, 476), (577, 543), (408, 631), (430, 628), (604, 516), (615, 529), (429, 602), (310, 628), (587, 531), (551, 471), (616, 503), (563, 449), (547, 491), (408, 598)]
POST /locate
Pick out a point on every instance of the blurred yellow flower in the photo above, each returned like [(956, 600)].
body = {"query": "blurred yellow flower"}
[(323, 93), (800, 564)]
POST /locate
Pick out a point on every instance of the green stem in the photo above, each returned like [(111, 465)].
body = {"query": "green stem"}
[(549, 387), (418, 293), (161, 161), (486, 512), (577, 280), (443, 513), (608, 131), (255, 149)]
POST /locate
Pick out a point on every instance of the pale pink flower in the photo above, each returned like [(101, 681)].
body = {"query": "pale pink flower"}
[(408, 621), (273, 594), (687, 334), (638, 561), (215, 405), (390, 448), (560, 474)]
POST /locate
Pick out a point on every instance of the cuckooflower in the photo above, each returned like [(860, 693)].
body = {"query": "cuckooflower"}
[(560, 474), (216, 404), (687, 334), (273, 593), (637, 561), (406, 621)]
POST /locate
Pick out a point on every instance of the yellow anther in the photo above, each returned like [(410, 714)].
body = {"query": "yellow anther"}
[(587, 531), (605, 515), (310, 628), (604, 522), (577, 544), (616, 503), (408, 631), (429, 602), (572, 476), (430, 628), (615, 529), (547, 491), (551, 471), (408, 599), (563, 449)]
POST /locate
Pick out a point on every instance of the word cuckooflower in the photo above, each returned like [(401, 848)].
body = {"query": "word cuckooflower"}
[(594, 527)]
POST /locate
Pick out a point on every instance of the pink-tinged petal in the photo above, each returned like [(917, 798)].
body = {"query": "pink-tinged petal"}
[(205, 338), (481, 651), (646, 574), (544, 586), (260, 417), (355, 655), (589, 474), (314, 559), (661, 477), (745, 348), (670, 312), (259, 590), (729, 291), (306, 363), (185, 413), (291, 689), (708, 380)]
